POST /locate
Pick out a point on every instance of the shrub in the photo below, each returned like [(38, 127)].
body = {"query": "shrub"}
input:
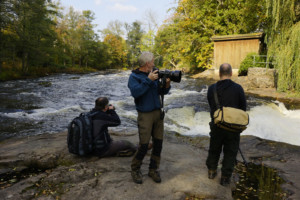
[(248, 62)]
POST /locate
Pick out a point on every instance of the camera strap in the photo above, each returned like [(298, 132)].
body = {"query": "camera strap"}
[(162, 84)]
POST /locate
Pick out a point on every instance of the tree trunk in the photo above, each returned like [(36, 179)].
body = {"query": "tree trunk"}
[(24, 62)]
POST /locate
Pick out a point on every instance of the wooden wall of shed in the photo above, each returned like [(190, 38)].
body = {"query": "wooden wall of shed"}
[(234, 51)]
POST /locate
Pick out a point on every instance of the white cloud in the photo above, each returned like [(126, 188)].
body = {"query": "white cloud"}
[(98, 2), (120, 7)]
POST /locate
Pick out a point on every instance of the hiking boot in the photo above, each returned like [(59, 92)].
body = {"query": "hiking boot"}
[(154, 175), (137, 176), (225, 181), (212, 173)]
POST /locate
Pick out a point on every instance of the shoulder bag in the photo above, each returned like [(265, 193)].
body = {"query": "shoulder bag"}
[(228, 118)]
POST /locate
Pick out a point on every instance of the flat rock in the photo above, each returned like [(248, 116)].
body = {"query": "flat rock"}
[(67, 176)]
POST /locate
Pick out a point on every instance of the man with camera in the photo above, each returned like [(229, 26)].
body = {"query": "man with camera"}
[(146, 90), (104, 146), (229, 94)]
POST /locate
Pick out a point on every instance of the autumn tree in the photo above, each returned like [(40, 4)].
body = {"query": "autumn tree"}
[(116, 51), (192, 25)]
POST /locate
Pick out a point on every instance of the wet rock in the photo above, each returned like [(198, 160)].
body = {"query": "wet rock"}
[(285, 158)]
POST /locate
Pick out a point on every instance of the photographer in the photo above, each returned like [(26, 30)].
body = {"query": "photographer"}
[(230, 94), (104, 146), (145, 88)]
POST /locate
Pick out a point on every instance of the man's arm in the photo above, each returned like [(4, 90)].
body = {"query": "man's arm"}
[(138, 87), (111, 118), (242, 100)]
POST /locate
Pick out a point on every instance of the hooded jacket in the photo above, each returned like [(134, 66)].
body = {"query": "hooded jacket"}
[(145, 91), (230, 94)]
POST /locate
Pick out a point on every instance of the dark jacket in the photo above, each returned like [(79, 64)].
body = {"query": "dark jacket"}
[(230, 94), (101, 121), (145, 91)]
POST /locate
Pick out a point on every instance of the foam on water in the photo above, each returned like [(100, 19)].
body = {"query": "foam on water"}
[(176, 93), (271, 121), (275, 122), (32, 105), (38, 114)]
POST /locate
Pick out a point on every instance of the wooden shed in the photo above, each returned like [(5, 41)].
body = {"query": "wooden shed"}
[(233, 49)]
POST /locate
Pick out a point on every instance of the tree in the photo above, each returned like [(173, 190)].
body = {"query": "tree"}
[(134, 37), (192, 25), (114, 28), (116, 50), (34, 30), (148, 38), (5, 20), (283, 39)]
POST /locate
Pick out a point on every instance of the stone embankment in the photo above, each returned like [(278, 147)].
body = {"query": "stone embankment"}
[(40, 167), (260, 82)]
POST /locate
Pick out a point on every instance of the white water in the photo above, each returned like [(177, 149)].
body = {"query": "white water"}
[(34, 109), (271, 121)]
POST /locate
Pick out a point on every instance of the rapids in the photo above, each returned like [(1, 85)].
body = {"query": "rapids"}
[(48, 104)]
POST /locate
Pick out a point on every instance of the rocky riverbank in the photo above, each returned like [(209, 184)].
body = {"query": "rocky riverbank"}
[(40, 167)]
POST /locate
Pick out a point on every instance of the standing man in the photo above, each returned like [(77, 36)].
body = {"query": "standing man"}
[(145, 88), (230, 94)]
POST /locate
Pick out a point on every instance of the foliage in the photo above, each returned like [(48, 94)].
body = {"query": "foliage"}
[(283, 40), (117, 53), (134, 37), (185, 39), (249, 62)]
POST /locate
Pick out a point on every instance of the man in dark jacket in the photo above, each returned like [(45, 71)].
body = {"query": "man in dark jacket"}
[(145, 88), (230, 94), (104, 146)]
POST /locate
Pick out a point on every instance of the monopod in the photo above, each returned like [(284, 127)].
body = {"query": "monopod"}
[(245, 162)]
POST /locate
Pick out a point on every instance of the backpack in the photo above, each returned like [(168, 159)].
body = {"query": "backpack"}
[(80, 134)]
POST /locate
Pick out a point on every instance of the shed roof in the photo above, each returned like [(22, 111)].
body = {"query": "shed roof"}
[(237, 37)]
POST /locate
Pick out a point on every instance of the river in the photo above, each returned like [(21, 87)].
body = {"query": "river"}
[(48, 104)]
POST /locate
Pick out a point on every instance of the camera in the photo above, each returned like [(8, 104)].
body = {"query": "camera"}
[(112, 106), (173, 75)]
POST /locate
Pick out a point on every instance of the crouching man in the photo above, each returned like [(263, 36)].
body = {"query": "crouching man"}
[(104, 145)]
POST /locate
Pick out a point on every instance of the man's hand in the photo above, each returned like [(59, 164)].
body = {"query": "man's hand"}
[(153, 75), (111, 107)]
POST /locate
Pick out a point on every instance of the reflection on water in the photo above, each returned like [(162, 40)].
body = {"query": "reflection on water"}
[(258, 182), (29, 107)]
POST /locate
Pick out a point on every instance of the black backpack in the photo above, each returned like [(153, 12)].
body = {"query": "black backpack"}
[(80, 134)]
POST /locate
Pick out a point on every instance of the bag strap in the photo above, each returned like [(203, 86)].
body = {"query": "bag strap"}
[(216, 96)]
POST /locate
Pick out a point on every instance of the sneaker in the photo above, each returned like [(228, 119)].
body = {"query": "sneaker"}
[(154, 175), (137, 176), (225, 181), (125, 153), (212, 173)]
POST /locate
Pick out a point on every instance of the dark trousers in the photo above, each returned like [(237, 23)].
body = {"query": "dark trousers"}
[(149, 125), (227, 141), (116, 147)]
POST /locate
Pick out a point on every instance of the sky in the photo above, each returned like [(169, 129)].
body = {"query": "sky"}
[(122, 10)]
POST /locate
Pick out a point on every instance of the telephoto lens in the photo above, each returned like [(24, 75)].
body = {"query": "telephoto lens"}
[(173, 75)]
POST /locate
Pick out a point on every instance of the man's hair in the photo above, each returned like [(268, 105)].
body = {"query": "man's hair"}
[(145, 57), (225, 69), (101, 102)]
